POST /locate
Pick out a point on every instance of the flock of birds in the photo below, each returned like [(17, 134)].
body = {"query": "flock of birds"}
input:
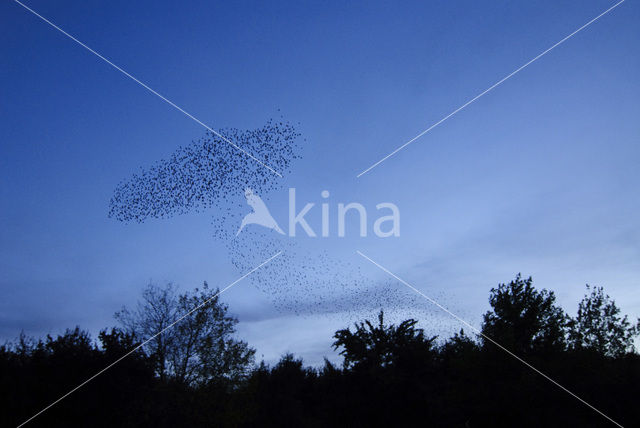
[(211, 175)]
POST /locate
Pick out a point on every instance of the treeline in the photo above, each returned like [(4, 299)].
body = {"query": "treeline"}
[(197, 373)]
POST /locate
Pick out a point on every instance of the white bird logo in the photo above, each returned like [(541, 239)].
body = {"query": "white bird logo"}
[(260, 214)]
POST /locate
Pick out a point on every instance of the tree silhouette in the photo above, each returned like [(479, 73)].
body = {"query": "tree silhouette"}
[(372, 346), (197, 349), (391, 374), (599, 327), (525, 320)]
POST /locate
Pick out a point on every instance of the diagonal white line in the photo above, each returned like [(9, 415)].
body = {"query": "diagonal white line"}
[(488, 338), (150, 338), (163, 98), (489, 89)]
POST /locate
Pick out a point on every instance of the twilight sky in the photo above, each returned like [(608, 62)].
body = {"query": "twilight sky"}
[(540, 176)]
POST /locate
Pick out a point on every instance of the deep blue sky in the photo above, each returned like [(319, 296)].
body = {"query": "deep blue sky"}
[(540, 176)]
